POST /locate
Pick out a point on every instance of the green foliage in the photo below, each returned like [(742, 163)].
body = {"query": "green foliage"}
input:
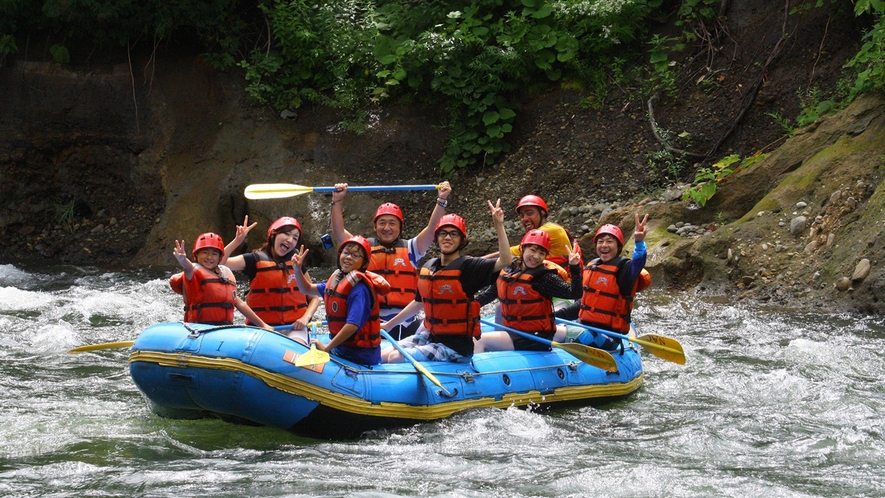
[(60, 54), (869, 62), (783, 122), (707, 179), (664, 75), (64, 214), (696, 10), (474, 61), (666, 166)]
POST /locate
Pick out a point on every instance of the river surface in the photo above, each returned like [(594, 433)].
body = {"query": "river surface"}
[(770, 403)]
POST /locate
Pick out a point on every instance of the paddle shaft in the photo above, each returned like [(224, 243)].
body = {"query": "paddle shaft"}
[(281, 190), (375, 188), (593, 356), (419, 367)]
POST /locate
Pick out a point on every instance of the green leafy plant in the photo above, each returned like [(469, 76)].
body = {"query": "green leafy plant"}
[(64, 214), (663, 76), (60, 54), (667, 165), (783, 122), (869, 62), (707, 179)]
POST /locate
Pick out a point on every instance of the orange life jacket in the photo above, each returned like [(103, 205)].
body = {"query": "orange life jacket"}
[(522, 307), (338, 287), (273, 293), (603, 303), (208, 296), (394, 265), (448, 310)]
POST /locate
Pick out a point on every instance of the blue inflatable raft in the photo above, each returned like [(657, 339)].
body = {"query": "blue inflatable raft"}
[(247, 374)]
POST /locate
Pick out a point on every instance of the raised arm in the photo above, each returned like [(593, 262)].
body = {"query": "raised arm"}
[(425, 239), (503, 244), (313, 302), (307, 288), (181, 256), (337, 213), (242, 231)]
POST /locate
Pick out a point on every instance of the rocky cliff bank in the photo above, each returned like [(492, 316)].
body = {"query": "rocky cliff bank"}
[(109, 164)]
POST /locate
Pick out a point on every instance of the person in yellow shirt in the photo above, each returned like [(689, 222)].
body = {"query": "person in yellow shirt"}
[(532, 212)]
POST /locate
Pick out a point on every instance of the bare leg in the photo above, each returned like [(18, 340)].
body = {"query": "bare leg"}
[(493, 341)]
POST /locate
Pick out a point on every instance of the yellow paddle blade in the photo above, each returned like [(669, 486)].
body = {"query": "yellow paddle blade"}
[(106, 345), (662, 347), (275, 190), (313, 357), (419, 367), (590, 355)]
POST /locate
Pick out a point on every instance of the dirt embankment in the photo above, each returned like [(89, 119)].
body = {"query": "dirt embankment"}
[(103, 165)]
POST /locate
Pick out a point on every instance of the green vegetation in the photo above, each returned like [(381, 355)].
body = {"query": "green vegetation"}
[(707, 179), (474, 59)]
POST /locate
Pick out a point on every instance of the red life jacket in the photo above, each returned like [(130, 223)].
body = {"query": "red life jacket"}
[(338, 287), (448, 310), (394, 265), (273, 293), (522, 307), (208, 296), (603, 304)]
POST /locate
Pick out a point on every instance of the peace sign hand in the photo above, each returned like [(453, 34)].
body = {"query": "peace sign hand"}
[(641, 228), (574, 254), (244, 229), (497, 211), (298, 257)]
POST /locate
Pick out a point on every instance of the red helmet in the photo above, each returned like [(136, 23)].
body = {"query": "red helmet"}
[(537, 237), (532, 200), (612, 230), (391, 209), (210, 240), (364, 245), (455, 221), (285, 221)]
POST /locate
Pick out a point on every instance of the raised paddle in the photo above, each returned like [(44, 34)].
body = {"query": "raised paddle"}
[(658, 345), (590, 355), (280, 190), (128, 344), (419, 367)]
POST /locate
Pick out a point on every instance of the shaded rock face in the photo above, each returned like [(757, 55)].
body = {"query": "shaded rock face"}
[(59, 128), (92, 173)]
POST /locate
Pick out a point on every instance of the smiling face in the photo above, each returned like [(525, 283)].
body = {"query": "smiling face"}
[(607, 247), (387, 229), (285, 241), (351, 258), (533, 255), (208, 258), (531, 217), (449, 239)]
